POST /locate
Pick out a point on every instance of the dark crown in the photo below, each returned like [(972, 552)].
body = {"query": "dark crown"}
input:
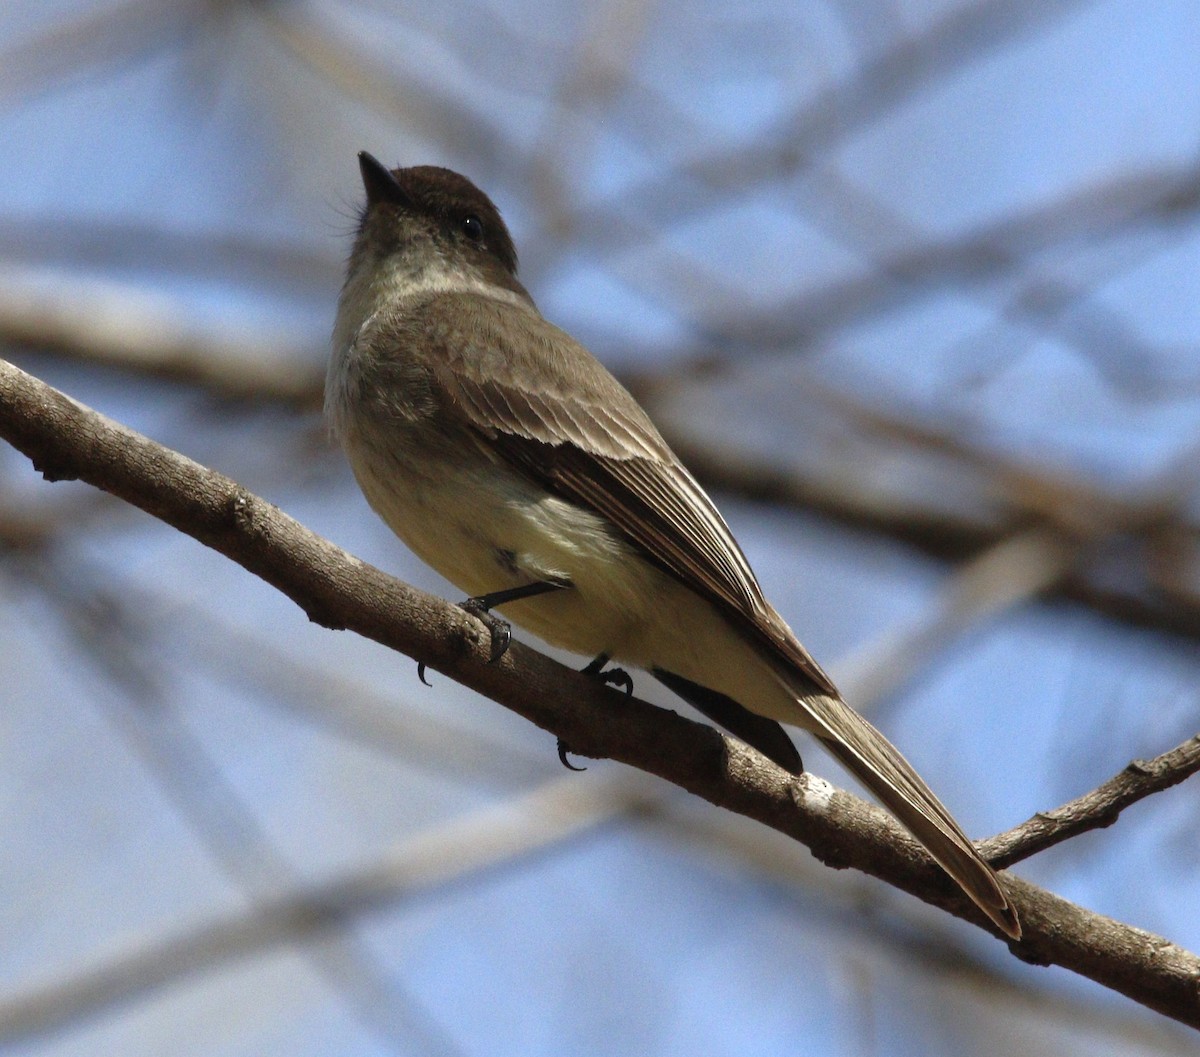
[(450, 198)]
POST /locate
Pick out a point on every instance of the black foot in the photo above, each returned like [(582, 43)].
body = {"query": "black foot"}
[(563, 749), (421, 673), (499, 629), (613, 677)]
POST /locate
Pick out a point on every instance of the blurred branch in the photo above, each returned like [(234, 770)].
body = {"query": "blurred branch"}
[(1097, 809), (902, 257), (352, 67), (99, 244), (66, 440), (1012, 571), (600, 69), (128, 327), (215, 812), (942, 47), (452, 851), (76, 42), (906, 261), (1039, 268), (351, 708), (881, 470)]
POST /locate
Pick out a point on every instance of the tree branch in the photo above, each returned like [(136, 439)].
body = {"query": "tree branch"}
[(1094, 810), (65, 440)]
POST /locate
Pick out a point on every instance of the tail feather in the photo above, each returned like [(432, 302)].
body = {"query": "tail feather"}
[(875, 762)]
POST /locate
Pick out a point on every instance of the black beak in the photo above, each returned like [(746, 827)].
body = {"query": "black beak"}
[(380, 184)]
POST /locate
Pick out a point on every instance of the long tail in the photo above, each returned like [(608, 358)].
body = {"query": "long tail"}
[(875, 762)]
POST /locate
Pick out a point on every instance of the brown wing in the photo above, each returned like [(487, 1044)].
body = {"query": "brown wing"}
[(584, 437)]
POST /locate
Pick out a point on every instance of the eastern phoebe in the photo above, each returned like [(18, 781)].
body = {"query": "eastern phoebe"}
[(506, 457)]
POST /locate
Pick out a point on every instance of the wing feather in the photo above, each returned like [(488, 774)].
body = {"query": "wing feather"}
[(584, 437)]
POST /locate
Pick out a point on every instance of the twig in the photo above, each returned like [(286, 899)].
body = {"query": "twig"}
[(1097, 809)]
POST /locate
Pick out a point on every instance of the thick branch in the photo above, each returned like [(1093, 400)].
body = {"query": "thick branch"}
[(66, 440)]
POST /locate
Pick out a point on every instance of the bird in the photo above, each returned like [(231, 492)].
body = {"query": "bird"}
[(511, 461)]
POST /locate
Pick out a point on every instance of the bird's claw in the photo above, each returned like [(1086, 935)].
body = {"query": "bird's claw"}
[(499, 629), (613, 677), (421, 673), (563, 749), (618, 677)]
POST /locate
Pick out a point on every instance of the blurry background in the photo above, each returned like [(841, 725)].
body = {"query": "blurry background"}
[(911, 284)]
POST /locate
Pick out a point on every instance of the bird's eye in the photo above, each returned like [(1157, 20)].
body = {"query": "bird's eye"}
[(473, 227)]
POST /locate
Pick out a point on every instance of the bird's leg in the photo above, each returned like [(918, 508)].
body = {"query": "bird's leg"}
[(498, 628)]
